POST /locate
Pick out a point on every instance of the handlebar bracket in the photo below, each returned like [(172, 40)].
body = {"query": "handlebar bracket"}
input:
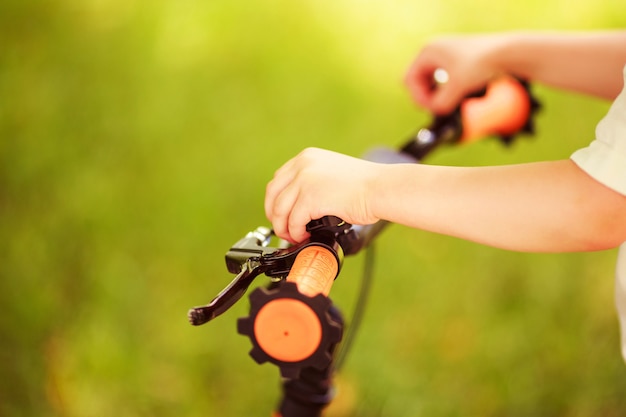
[(252, 256)]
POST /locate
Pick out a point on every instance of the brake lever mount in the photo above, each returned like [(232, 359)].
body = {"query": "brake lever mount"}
[(252, 256)]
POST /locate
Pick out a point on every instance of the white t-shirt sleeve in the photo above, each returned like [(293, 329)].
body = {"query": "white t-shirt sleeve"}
[(605, 158)]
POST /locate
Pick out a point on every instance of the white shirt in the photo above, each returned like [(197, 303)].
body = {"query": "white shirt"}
[(605, 160)]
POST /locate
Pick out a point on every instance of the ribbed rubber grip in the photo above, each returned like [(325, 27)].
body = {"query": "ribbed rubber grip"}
[(314, 271), (503, 110)]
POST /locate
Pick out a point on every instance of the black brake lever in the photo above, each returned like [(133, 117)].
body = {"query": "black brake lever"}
[(252, 256), (226, 298), (450, 128), (244, 259)]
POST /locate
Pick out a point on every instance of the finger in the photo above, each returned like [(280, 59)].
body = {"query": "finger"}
[(419, 81), (272, 190), (299, 217), (282, 178), (430, 87), (281, 209), (446, 98)]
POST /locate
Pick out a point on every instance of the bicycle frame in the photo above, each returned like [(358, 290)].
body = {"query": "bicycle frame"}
[(292, 323)]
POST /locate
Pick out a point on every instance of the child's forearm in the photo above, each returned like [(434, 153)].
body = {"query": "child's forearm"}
[(540, 207), (587, 62)]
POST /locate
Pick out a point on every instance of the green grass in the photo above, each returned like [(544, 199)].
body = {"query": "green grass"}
[(136, 139)]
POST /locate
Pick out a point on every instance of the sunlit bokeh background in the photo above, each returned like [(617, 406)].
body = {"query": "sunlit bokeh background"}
[(136, 139)]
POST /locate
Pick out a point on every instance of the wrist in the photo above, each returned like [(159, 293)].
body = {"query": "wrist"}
[(387, 185), (501, 54), (375, 195)]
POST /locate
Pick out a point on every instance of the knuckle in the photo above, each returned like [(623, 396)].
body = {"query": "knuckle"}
[(308, 153)]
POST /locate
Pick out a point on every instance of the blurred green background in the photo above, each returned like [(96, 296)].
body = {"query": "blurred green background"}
[(136, 139)]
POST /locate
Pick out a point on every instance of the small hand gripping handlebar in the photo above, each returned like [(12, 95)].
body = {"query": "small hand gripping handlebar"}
[(292, 323)]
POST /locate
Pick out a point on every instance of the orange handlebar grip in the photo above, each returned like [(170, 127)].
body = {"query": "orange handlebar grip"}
[(289, 329), (503, 110), (314, 271)]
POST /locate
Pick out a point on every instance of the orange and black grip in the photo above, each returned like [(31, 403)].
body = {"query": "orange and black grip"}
[(314, 270), (292, 325), (504, 110)]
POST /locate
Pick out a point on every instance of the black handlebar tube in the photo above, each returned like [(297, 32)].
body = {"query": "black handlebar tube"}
[(308, 391)]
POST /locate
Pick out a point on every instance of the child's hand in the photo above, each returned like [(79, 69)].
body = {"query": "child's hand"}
[(467, 63), (317, 183)]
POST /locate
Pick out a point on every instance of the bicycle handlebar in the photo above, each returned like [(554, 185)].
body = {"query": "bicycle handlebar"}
[(292, 323), (504, 109), (290, 330), (314, 270)]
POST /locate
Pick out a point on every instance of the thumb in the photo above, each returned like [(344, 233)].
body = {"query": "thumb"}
[(445, 99)]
